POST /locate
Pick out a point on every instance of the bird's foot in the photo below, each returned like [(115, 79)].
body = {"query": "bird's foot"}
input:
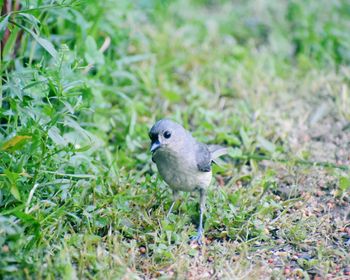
[(198, 238)]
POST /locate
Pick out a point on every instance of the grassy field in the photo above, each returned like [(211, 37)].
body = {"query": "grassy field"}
[(83, 81)]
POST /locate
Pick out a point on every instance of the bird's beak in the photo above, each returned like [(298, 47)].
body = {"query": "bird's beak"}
[(155, 146)]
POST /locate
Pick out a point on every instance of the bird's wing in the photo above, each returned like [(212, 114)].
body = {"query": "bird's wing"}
[(203, 157)]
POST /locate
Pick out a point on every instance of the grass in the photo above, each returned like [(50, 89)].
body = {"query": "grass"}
[(83, 81)]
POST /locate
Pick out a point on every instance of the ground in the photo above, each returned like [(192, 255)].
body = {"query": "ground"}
[(83, 82)]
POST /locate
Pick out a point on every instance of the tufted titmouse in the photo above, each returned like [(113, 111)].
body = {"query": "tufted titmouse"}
[(183, 163)]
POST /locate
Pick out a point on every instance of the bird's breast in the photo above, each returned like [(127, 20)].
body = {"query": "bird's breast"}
[(181, 173)]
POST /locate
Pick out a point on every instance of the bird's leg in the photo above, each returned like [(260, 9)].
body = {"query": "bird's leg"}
[(175, 197), (202, 197)]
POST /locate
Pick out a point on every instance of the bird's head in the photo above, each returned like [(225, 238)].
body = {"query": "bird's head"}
[(168, 136)]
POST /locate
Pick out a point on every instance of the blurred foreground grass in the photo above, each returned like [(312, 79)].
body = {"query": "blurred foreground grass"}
[(82, 82)]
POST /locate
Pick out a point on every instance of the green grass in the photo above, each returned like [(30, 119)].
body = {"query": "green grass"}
[(79, 194)]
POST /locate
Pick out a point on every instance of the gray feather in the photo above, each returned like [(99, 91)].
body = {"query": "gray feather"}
[(203, 157)]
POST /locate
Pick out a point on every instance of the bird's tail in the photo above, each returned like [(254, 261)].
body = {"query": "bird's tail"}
[(217, 151)]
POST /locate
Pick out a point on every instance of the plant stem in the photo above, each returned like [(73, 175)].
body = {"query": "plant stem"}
[(296, 161)]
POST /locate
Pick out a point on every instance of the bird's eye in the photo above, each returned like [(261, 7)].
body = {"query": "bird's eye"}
[(167, 134)]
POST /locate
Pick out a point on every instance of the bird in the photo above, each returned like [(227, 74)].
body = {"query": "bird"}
[(183, 163)]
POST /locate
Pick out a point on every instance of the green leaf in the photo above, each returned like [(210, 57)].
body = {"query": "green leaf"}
[(14, 191), (245, 138), (235, 152), (33, 226), (12, 178), (54, 134), (92, 54), (84, 148), (234, 198), (32, 19), (10, 43), (172, 96), (344, 183), (14, 143), (266, 144), (47, 45), (27, 218)]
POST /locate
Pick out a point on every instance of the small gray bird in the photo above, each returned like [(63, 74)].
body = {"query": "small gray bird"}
[(183, 163)]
